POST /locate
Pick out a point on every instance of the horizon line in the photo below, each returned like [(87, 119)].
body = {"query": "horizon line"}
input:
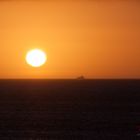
[(69, 79)]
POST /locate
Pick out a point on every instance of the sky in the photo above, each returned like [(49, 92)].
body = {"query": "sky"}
[(97, 39)]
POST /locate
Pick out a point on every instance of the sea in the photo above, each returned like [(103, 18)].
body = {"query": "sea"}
[(69, 109)]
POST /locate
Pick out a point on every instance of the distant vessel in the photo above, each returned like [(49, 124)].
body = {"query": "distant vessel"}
[(80, 78)]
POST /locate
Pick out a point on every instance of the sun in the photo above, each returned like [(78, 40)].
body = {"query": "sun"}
[(36, 58)]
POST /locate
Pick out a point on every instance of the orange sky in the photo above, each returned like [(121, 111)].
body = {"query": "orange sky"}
[(94, 39)]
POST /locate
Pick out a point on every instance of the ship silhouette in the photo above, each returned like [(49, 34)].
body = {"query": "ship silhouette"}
[(81, 78)]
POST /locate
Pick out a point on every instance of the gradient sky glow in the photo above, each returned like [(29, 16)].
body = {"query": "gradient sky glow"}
[(92, 38)]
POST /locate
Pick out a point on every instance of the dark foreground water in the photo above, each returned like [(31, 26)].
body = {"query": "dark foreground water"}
[(69, 109)]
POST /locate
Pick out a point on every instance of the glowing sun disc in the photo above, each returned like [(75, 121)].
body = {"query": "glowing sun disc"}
[(36, 58)]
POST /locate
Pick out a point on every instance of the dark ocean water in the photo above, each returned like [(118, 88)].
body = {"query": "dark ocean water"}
[(69, 109)]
